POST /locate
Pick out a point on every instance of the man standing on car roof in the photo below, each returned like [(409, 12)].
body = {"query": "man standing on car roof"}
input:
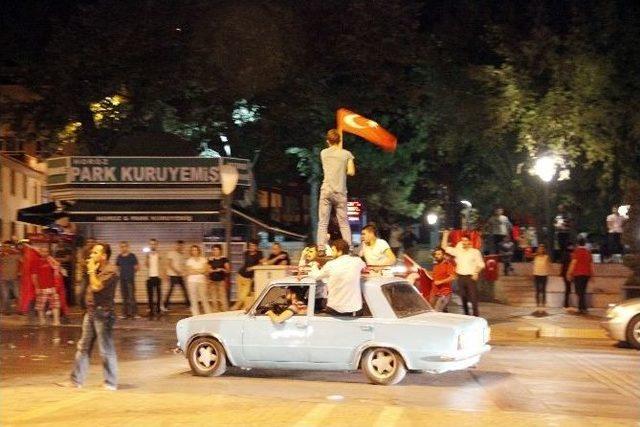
[(342, 276)]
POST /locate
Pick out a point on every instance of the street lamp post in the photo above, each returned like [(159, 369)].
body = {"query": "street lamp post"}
[(229, 180), (545, 168), (467, 214), (432, 220)]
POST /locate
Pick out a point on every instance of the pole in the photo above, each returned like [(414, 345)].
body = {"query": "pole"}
[(228, 223), (548, 220)]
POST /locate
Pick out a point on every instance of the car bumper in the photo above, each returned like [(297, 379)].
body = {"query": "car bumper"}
[(616, 328), (438, 364)]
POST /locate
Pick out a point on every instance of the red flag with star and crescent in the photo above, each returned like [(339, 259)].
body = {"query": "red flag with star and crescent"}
[(348, 121)]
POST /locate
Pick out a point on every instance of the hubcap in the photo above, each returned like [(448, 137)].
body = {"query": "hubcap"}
[(206, 356), (383, 363), (636, 331)]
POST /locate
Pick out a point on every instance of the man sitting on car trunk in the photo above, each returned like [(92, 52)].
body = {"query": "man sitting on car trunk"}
[(342, 276)]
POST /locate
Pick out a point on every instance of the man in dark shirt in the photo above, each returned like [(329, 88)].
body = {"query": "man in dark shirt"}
[(244, 278), (128, 264), (98, 320), (277, 256)]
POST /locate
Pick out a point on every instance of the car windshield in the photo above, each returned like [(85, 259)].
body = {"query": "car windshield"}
[(404, 299)]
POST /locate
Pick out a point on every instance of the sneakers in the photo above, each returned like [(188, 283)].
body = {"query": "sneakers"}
[(68, 384), (109, 387)]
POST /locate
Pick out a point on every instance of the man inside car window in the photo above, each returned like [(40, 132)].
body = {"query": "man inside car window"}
[(296, 306)]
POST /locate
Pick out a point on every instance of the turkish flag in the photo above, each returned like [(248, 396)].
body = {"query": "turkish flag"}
[(348, 121)]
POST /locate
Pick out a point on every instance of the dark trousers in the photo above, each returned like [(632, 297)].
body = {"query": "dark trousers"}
[(541, 290), (614, 246), (128, 292), (497, 239), (153, 287), (468, 290), (176, 281), (564, 238), (567, 290), (581, 289)]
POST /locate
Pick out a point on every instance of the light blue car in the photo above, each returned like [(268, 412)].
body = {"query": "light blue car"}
[(395, 331)]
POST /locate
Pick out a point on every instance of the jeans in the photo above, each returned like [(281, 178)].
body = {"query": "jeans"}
[(197, 288), (128, 292), (581, 289), (541, 290), (96, 325), (468, 290), (8, 287), (176, 281), (153, 287), (338, 201)]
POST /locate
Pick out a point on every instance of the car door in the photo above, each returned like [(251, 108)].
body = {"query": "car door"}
[(265, 341), (333, 339)]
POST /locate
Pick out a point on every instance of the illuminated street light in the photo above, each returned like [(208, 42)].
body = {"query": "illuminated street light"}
[(545, 168), (432, 219)]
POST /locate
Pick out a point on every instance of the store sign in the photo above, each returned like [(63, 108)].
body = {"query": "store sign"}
[(153, 171), (135, 218)]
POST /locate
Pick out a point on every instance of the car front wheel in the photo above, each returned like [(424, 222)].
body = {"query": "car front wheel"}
[(383, 366), (207, 357), (633, 331)]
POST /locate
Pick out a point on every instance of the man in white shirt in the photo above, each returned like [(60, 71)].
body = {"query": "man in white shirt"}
[(376, 251), (469, 264), (153, 262), (342, 276), (614, 232), (175, 271)]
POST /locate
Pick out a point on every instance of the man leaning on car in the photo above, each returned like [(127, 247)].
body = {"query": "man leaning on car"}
[(342, 276)]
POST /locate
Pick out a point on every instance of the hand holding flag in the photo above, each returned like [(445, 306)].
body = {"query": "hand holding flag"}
[(348, 121)]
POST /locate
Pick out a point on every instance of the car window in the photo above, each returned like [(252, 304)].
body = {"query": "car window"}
[(276, 299), (404, 299)]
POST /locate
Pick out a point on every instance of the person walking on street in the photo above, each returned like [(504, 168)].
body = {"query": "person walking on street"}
[(10, 265), (219, 271), (444, 274), (541, 271), (197, 268), (44, 280), (499, 227), (337, 163), (580, 271), (153, 262), (127, 262), (244, 278), (469, 264), (98, 320), (175, 271)]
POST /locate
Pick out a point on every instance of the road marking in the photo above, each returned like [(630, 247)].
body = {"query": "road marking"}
[(389, 416), (43, 410), (315, 416)]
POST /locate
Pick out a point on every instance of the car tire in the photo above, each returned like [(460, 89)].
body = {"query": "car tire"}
[(207, 357), (383, 366), (633, 332)]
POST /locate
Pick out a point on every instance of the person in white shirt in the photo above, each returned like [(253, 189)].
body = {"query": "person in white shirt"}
[(614, 232), (375, 251), (541, 271), (342, 277), (469, 264), (175, 271), (196, 269), (153, 262)]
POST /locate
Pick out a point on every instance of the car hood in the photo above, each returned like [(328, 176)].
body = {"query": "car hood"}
[(447, 320), (633, 303)]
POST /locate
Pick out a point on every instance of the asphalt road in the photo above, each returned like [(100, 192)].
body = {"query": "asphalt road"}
[(541, 382)]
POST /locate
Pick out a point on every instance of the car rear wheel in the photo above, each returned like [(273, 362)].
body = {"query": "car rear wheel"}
[(207, 357), (383, 366), (633, 331)]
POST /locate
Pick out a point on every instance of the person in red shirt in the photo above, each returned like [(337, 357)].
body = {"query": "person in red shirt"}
[(443, 275), (44, 280), (580, 271)]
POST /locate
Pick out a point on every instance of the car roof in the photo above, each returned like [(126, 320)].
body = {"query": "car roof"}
[(367, 281)]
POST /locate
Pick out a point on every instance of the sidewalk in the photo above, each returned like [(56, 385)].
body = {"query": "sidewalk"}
[(507, 322)]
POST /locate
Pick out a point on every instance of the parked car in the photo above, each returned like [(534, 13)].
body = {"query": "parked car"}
[(395, 331), (623, 322)]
